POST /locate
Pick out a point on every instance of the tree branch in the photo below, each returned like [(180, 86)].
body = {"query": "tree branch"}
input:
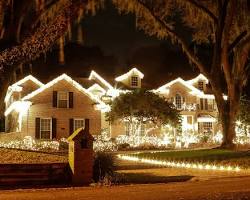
[(237, 41), (180, 40), (204, 9)]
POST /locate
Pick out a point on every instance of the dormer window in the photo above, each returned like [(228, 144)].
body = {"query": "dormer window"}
[(63, 98), (200, 85), (134, 81)]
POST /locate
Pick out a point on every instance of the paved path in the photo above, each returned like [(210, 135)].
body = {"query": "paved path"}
[(224, 188)]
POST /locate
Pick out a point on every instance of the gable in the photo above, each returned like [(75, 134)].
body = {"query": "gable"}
[(56, 83)]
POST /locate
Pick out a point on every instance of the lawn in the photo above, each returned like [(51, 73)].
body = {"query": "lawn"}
[(216, 156)]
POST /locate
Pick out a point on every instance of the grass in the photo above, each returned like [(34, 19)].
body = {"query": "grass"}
[(218, 156)]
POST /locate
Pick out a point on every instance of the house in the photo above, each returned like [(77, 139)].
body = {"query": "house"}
[(198, 108), (52, 110), (57, 108)]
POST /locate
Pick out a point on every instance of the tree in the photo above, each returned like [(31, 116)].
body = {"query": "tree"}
[(221, 25), (141, 107), (30, 28), (243, 117)]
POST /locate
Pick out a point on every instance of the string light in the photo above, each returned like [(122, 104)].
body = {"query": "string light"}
[(17, 88), (94, 75), (128, 74), (179, 164), (72, 82)]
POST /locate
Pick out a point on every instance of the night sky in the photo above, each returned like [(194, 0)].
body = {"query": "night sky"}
[(112, 45)]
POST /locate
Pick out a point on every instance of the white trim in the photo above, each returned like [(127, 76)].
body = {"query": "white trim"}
[(18, 106), (180, 80), (72, 82), (96, 86), (206, 118), (94, 75), (50, 135), (129, 73), (197, 78)]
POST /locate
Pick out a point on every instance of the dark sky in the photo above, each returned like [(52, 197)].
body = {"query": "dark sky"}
[(112, 45)]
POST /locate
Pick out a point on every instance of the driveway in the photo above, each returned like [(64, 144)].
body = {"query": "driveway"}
[(222, 188)]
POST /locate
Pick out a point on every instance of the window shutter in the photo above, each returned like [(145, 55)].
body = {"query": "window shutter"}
[(206, 104), (201, 104), (37, 136), (54, 99), (53, 128), (71, 100), (71, 126)]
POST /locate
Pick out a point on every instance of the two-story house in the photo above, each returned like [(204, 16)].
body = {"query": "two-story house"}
[(56, 109), (198, 109)]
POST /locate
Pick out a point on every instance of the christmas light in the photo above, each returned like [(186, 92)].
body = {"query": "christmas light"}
[(72, 82), (187, 165), (19, 106), (197, 78), (128, 74), (17, 88), (96, 87), (94, 75)]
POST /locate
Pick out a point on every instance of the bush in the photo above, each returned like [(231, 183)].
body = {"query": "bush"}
[(103, 170)]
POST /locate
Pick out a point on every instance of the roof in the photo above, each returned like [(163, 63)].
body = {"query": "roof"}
[(179, 80), (93, 76), (197, 78), (56, 80), (17, 86), (129, 73)]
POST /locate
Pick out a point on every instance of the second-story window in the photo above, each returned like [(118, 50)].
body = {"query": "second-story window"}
[(178, 101), (200, 85), (134, 81), (63, 99)]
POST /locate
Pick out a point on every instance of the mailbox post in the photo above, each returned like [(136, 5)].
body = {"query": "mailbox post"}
[(81, 157)]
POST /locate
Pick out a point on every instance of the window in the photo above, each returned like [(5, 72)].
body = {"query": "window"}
[(78, 123), (189, 119), (46, 128), (207, 126), (178, 101), (134, 81), (63, 98), (200, 85)]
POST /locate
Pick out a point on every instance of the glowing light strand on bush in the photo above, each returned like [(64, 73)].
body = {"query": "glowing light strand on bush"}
[(187, 165)]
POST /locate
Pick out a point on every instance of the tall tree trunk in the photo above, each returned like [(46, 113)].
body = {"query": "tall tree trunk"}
[(228, 110)]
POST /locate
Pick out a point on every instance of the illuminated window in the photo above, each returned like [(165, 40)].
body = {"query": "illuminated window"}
[(207, 126), (189, 119), (78, 123), (63, 98), (45, 129), (178, 101), (200, 85), (134, 81)]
